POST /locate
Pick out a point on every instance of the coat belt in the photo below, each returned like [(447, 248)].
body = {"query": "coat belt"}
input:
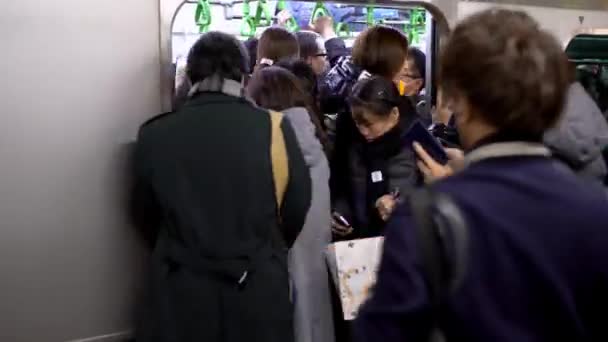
[(236, 270)]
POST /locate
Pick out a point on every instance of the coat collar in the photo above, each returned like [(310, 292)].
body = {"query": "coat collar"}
[(506, 149), (217, 84)]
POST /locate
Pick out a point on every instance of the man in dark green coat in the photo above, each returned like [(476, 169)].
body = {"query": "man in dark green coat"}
[(204, 181)]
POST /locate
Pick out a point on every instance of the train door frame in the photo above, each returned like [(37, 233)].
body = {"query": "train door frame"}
[(169, 9)]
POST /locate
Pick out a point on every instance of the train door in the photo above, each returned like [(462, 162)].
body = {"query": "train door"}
[(185, 21)]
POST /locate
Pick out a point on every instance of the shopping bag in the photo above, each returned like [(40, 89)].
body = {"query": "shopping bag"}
[(353, 266)]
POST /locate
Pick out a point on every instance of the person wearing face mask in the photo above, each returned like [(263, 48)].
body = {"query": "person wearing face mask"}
[(536, 263), (381, 170)]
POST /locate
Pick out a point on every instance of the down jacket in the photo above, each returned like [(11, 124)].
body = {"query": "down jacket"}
[(581, 135)]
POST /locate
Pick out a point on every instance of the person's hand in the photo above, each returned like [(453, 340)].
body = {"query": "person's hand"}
[(283, 17), (386, 205), (339, 229), (432, 170), (324, 26)]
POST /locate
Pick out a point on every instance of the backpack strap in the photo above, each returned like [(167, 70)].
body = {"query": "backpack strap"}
[(443, 240), (278, 154)]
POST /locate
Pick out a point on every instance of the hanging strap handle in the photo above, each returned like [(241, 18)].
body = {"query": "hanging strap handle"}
[(278, 153)]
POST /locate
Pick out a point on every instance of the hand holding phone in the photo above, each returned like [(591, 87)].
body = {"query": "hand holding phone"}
[(387, 204), (340, 225), (419, 134), (431, 169)]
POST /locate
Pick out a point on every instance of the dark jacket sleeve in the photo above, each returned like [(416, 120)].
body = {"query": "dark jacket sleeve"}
[(144, 208), (335, 49), (399, 309), (334, 87), (345, 135), (298, 193)]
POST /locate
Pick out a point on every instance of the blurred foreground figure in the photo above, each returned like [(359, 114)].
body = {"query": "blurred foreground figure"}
[(537, 263), (228, 190)]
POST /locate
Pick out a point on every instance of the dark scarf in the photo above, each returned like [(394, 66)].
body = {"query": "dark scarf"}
[(376, 156)]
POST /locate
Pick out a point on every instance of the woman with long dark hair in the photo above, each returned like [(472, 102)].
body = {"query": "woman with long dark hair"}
[(278, 89)]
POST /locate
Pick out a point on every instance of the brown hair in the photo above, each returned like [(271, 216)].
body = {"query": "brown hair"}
[(278, 89), (381, 50), (277, 44), (511, 72)]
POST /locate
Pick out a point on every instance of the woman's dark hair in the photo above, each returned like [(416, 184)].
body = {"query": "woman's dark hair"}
[(381, 50), (308, 80), (251, 45), (513, 74), (217, 53), (276, 44), (376, 95), (277, 88), (306, 76), (309, 44), (419, 59)]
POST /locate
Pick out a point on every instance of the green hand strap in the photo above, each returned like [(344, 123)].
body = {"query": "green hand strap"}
[(202, 16), (370, 16), (264, 11), (343, 30), (417, 26), (319, 11), (248, 26)]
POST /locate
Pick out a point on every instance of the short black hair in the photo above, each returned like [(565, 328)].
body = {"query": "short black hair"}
[(251, 45), (419, 58), (375, 94), (304, 73), (217, 53)]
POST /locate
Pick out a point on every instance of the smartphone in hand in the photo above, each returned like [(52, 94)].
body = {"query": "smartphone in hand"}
[(432, 146), (340, 219)]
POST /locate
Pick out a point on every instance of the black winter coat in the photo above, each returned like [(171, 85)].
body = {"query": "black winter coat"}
[(204, 181)]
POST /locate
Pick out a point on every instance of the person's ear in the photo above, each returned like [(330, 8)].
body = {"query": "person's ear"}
[(462, 110), (395, 114)]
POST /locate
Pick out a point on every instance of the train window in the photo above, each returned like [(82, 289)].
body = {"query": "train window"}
[(246, 19)]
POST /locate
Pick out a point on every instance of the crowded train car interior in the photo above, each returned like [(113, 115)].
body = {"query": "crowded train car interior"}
[(247, 19), (80, 79)]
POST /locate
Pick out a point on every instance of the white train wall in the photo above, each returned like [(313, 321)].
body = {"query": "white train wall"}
[(76, 78), (563, 23)]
